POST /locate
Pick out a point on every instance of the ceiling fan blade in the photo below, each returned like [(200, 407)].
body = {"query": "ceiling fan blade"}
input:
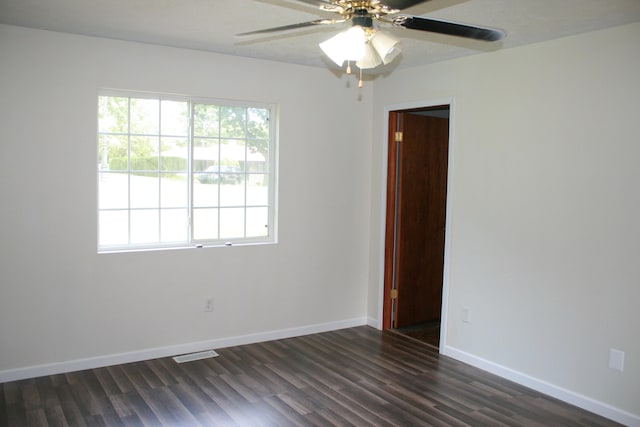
[(449, 28), (318, 3), (293, 26), (402, 4)]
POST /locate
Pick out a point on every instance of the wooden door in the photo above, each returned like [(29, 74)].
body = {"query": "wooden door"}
[(416, 207)]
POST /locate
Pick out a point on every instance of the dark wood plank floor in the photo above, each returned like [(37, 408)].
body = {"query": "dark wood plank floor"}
[(358, 376), (427, 332)]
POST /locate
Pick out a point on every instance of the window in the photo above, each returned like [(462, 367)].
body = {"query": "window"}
[(180, 172)]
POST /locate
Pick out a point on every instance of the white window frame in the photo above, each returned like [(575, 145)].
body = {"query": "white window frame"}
[(191, 241)]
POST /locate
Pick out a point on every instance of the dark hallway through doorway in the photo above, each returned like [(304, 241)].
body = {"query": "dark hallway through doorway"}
[(416, 215)]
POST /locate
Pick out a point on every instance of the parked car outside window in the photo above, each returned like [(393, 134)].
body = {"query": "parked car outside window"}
[(226, 175)]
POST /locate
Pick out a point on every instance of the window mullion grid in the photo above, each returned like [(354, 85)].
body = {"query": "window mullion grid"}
[(219, 160), (129, 171), (159, 169), (246, 165), (271, 164), (190, 177), (190, 184)]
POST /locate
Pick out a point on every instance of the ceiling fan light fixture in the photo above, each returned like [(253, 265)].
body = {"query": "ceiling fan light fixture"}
[(387, 47), (332, 48), (371, 59), (346, 46)]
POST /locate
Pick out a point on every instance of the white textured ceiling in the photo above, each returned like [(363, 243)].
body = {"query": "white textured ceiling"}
[(211, 24)]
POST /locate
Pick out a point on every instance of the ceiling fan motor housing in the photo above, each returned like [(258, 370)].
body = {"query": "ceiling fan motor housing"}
[(361, 17)]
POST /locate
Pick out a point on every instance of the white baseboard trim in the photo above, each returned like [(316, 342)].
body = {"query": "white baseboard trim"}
[(374, 323), (174, 350), (576, 399)]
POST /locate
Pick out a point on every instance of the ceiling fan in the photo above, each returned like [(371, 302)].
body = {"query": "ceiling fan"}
[(364, 43)]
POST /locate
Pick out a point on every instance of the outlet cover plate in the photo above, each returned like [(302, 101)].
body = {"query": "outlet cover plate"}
[(616, 359), (466, 316)]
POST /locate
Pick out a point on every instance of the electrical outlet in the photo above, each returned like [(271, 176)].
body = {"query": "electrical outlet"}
[(466, 317), (616, 359), (208, 305)]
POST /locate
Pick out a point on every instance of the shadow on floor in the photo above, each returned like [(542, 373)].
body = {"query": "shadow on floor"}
[(428, 332)]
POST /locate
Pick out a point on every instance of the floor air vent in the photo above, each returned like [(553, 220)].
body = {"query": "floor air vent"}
[(195, 356)]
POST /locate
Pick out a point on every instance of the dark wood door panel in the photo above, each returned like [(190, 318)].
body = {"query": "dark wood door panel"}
[(421, 216)]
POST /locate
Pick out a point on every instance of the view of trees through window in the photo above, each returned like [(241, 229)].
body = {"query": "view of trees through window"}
[(176, 172)]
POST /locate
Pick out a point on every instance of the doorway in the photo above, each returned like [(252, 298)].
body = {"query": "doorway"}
[(417, 172)]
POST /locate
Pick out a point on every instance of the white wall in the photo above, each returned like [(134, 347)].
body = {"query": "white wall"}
[(544, 224), (60, 301)]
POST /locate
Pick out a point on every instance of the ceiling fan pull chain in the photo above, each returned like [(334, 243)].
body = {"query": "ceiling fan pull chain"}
[(360, 84)]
